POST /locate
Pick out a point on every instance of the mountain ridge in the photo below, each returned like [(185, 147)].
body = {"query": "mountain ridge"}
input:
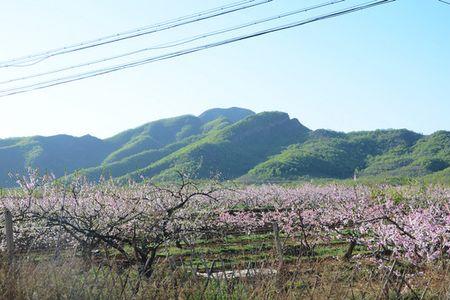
[(234, 143)]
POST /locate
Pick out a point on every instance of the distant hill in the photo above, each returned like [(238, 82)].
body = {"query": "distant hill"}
[(234, 143), (233, 150), (58, 154), (328, 154)]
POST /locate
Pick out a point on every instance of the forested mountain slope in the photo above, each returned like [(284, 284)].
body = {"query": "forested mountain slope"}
[(233, 143)]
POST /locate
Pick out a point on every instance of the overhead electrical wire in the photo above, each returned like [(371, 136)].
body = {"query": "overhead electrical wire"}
[(77, 77), (212, 13), (179, 42), (98, 72), (38, 57)]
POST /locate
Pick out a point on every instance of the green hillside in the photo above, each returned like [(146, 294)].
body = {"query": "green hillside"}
[(171, 134), (234, 150), (324, 158), (430, 154), (123, 153), (134, 162), (154, 135), (381, 153), (57, 154), (235, 143)]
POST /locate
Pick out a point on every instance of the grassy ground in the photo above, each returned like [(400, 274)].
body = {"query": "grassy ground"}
[(321, 275)]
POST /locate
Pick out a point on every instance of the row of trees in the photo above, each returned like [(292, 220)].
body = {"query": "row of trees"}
[(133, 220), (136, 220), (409, 223)]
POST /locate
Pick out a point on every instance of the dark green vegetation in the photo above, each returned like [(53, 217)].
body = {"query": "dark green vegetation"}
[(235, 143)]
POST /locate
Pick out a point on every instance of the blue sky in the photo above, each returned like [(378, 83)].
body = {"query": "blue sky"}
[(386, 67)]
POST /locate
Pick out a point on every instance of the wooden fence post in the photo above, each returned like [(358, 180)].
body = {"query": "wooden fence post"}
[(278, 247), (9, 235)]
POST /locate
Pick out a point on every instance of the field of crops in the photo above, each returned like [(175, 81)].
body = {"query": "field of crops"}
[(191, 240)]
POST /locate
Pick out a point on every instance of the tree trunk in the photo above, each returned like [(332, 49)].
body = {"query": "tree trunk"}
[(147, 262), (349, 253)]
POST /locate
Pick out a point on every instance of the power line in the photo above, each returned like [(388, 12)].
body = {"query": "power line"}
[(180, 42), (444, 2), (220, 11), (94, 73), (77, 77), (43, 55)]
